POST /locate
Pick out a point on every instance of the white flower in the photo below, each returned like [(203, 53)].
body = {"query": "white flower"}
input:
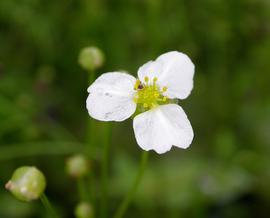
[(160, 123)]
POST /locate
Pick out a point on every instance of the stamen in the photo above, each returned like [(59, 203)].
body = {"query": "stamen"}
[(136, 86), (164, 89), (148, 94), (146, 79), (140, 86)]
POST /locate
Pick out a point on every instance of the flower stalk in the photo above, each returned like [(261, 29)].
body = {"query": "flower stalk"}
[(47, 205), (127, 200), (82, 190), (104, 171)]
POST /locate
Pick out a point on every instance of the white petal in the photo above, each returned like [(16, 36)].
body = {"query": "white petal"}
[(174, 70), (111, 97), (151, 69), (161, 128)]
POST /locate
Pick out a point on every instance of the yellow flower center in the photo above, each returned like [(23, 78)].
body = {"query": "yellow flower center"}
[(149, 94)]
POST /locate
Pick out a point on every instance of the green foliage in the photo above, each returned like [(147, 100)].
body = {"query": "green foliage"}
[(225, 173)]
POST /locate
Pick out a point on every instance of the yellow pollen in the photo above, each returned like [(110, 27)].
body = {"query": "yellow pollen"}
[(146, 79), (149, 94), (138, 82), (164, 89)]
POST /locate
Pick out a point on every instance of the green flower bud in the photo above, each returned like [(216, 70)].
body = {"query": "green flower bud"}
[(84, 210), (91, 58), (27, 183), (77, 166)]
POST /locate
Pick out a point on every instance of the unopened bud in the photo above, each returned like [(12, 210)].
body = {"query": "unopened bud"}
[(27, 183), (84, 210), (77, 166), (91, 58)]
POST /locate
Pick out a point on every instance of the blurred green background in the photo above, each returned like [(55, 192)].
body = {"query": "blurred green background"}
[(43, 118)]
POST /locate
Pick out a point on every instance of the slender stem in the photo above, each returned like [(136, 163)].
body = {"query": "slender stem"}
[(104, 172), (90, 138), (91, 77), (93, 186), (91, 124), (46, 203), (82, 190), (125, 203)]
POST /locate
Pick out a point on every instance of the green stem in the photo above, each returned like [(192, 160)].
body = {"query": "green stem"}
[(104, 172), (46, 203), (93, 186), (82, 189), (92, 76), (90, 139), (91, 124), (125, 203)]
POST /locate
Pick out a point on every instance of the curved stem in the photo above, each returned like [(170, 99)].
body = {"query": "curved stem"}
[(125, 203), (46, 203)]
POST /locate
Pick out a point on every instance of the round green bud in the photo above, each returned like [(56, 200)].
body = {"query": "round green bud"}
[(91, 58), (27, 183), (84, 210), (77, 166)]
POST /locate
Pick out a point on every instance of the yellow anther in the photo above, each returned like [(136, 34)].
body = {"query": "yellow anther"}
[(138, 82), (164, 89), (146, 79), (148, 93)]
